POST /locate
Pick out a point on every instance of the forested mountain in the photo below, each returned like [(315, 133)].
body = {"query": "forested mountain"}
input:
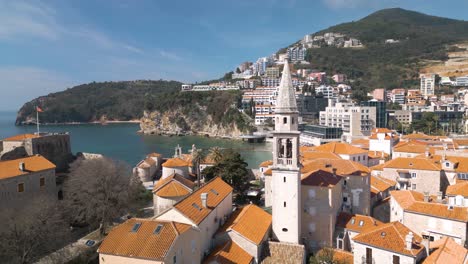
[(95, 101), (382, 65)]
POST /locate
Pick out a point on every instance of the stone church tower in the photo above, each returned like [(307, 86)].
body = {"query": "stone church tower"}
[(286, 175)]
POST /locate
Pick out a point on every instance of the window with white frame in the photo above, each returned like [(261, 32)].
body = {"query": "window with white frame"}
[(413, 175)]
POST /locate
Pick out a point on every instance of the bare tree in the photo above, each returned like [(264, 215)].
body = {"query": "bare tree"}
[(98, 191), (32, 232)]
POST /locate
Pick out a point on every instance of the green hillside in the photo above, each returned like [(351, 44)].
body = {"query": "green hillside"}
[(422, 38), (90, 102)]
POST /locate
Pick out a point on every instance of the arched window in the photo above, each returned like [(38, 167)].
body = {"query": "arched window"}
[(285, 120), (288, 148)]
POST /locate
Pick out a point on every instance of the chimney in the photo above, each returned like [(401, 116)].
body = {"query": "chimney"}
[(204, 198), (425, 243), (409, 240), (22, 166), (334, 172), (428, 154), (439, 197), (426, 197)]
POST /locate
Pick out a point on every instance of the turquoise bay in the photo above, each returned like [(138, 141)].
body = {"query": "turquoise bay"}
[(120, 141)]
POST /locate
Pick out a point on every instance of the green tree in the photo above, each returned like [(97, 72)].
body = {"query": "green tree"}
[(232, 169), (429, 124), (216, 154)]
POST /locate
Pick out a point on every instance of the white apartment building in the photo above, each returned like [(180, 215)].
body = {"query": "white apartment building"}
[(427, 84), (327, 91), (461, 81), (354, 120)]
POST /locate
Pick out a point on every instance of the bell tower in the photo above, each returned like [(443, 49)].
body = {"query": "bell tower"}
[(286, 175)]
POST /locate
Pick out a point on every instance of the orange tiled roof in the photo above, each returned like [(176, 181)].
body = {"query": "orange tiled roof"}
[(268, 172), (229, 253), (406, 198), (361, 143), (461, 141), (461, 163), (319, 155), (173, 189), (173, 177), (357, 223), (175, 162), (381, 130), (143, 243), (306, 148), (266, 163), (381, 184), (343, 167), (21, 137), (460, 188), (412, 163), (250, 222), (446, 250), (320, 178), (10, 168), (191, 206), (377, 154), (412, 142), (440, 211), (391, 236), (378, 167), (413, 202), (340, 148), (339, 256)]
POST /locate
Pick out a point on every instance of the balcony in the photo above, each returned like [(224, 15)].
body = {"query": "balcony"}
[(284, 161)]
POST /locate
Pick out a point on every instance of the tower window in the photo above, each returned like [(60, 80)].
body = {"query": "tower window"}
[(284, 204), (285, 230), (284, 179), (292, 120), (285, 120)]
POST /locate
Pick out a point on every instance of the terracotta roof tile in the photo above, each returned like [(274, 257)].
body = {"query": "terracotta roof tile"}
[(440, 211), (339, 256), (413, 202), (174, 177), (191, 206), (446, 250), (21, 137), (154, 154), (251, 222), (381, 130), (175, 162), (229, 253), (143, 243), (173, 189), (343, 167), (10, 168), (460, 188), (357, 223), (412, 163), (391, 237), (266, 163), (381, 184), (319, 154), (268, 172), (320, 178), (361, 143), (340, 148)]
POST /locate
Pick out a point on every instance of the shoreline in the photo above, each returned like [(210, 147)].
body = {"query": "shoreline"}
[(84, 123)]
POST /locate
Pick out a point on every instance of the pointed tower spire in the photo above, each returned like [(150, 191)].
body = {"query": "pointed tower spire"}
[(286, 101)]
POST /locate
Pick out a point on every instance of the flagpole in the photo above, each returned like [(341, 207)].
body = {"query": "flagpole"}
[(37, 120)]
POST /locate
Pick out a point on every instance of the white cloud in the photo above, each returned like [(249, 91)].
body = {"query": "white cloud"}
[(20, 19), (21, 84), (170, 55)]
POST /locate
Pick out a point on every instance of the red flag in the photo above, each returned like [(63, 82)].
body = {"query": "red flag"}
[(39, 109)]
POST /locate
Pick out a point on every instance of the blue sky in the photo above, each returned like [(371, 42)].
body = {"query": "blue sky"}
[(47, 46)]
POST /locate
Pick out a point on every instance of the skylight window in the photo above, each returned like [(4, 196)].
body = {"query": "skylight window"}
[(214, 191), (353, 221), (196, 206), (135, 227), (158, 229), (361, 223)]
